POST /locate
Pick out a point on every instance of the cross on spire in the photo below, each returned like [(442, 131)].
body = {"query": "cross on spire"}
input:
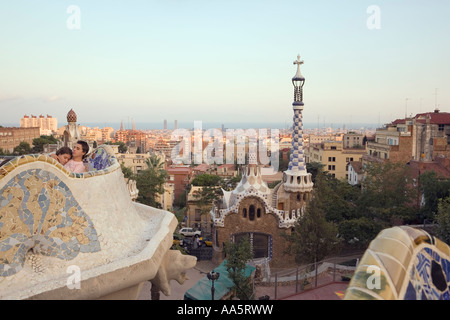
[(298, 75), (298, 62)]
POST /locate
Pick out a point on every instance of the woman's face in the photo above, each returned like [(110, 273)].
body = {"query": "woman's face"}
[(77, 152), (64, 158)]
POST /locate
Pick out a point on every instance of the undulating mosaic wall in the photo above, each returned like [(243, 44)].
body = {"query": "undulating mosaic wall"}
[(38, 211), (402, 263)]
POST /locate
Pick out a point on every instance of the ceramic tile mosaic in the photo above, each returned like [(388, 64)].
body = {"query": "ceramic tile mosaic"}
[(39, 212), (413, 266), (98, 160), (430, 277)]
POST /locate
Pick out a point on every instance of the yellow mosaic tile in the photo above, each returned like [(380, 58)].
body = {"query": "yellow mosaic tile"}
[(392, 247), (364, 280)]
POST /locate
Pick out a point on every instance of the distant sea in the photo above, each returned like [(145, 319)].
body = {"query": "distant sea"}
[(212, 125), (218, 125)]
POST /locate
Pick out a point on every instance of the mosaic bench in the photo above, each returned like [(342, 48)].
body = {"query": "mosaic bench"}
[(38, 211), (99, 159), (53, 220)]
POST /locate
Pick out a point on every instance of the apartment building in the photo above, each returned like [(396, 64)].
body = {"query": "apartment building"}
[(47, 125), (424, 137), (334, 156), (11, 137)]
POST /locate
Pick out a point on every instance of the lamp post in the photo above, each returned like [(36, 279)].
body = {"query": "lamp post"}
[(213, 276)]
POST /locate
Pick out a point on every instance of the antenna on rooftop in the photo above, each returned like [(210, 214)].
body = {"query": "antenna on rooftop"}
[(406, 107), (435, 98)]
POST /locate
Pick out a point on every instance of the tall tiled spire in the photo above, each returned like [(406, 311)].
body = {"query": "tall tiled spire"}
[(296, 177)]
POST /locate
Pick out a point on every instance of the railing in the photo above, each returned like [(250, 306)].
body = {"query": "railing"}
[(277, 284)]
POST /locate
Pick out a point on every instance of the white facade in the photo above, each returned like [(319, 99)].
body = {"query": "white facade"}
[(47, 125), (354, 172)]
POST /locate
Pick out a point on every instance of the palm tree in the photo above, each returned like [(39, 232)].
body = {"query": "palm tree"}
[(155, 164), (151, 181)]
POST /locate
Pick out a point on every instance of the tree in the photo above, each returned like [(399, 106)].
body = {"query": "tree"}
[(314, 168), (150, 182), (122, 146), (358, 232), (205, 198), (313, 237), (154, 163), (443, 220), (231, 183), (206, 180), (388, 193), (433, 187), (284, 161), (338, 197), (22, 148), (127, 172), (238, 254), (38, 143)]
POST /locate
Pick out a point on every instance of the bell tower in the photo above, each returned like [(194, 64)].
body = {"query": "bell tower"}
[(296, 178), (71, 134)]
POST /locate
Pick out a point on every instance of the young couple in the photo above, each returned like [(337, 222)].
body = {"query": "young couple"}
[(72, 160)]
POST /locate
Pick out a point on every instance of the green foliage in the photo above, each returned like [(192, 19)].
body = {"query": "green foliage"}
[(359, 231), (314, 168), (122, 147), (273, 184), (38, 143), (237, 256), (150, 182), (283, 164), (206, 180), (313, 237), (338, 197), (388, 193), (434, 188), (206, 196), (127, 172), (388, 185), (22, 148), (155, 163), (180, 213), (231, 183), (443, 220)]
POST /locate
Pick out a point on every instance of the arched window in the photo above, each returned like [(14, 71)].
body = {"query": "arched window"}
[(251, 213), (258, 213), (245, 212)]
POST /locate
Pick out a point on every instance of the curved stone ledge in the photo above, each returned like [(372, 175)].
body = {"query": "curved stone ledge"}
[(41, 200), (402, 263)]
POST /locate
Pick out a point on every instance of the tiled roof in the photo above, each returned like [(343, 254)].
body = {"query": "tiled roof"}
[(435, 117)]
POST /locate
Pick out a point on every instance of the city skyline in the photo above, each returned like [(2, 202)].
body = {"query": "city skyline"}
[(223, 62)]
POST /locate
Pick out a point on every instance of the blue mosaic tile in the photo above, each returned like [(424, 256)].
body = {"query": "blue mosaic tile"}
[(26, 199)]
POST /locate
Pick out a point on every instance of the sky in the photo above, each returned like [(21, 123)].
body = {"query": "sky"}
[(223, 61)]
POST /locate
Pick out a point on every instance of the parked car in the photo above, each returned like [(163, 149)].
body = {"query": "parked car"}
[(207, 241), (189, 232)]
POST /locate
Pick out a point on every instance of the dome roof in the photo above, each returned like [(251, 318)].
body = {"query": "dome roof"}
[(71, 116), (252, 179)]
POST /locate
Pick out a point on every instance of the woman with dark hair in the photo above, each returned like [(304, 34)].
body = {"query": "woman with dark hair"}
[(63, 155), (79, 152)]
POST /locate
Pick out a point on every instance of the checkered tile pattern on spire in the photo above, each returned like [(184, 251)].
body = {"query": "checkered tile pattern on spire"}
[(297, 161)]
